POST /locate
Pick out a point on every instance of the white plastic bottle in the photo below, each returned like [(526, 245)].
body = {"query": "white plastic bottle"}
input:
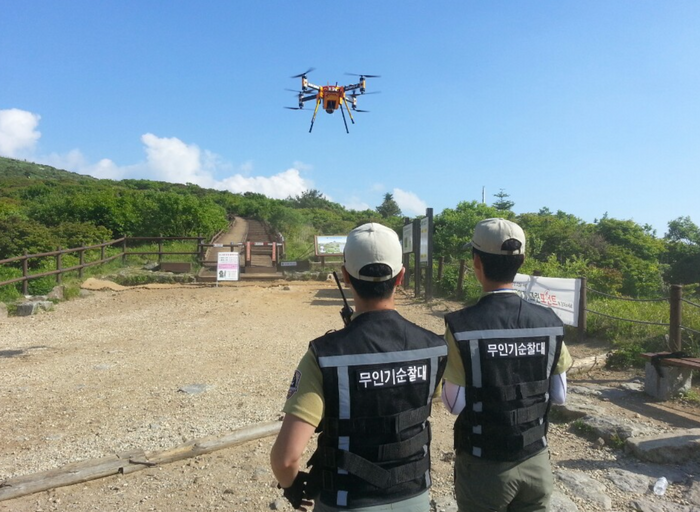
[(660, 486)]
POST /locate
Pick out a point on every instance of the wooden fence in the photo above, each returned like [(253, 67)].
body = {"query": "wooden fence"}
[(675, 301), (123, 253)]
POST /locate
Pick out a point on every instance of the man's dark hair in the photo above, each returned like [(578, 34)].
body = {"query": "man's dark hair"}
[(374, 290), (500, 268)]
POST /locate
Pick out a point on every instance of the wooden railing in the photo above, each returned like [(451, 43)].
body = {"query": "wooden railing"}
[(124, 252)]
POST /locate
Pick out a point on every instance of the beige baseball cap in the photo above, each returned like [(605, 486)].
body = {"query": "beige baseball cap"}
[(490, 236), (373, 243)]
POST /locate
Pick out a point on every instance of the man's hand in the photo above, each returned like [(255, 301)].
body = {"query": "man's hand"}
[(296, 492)]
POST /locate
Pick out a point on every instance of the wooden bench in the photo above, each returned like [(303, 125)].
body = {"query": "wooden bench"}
[(675, 379), (682, 362)]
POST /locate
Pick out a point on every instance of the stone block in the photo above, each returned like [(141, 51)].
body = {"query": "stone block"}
[(672, 381)]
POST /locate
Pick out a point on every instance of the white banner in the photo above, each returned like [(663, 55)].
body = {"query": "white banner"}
[(227, 266), (560, 294)]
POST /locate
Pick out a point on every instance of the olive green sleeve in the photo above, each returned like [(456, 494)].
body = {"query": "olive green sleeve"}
[(305, 395), (454, 372), (565, 360)]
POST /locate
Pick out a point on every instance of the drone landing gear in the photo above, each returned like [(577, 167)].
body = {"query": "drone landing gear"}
[(313, 118)]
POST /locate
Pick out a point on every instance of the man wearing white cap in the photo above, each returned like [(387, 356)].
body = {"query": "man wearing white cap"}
[(368, 389), (506, 365)]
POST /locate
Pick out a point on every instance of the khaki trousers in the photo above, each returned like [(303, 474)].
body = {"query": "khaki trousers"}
[(489, 486)]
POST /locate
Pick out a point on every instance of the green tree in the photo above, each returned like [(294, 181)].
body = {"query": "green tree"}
[(682, 252), (454, 227), (503, 204), (389, 207)]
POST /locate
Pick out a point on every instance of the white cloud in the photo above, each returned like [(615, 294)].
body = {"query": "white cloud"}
[(279, 186), (167, 159), (355, 203), (409, 202), (18, 133)]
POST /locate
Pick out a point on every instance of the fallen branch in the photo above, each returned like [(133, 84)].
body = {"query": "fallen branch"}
[(128, 462)]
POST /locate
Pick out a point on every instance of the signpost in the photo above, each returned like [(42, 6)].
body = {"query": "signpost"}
[(227, 267)]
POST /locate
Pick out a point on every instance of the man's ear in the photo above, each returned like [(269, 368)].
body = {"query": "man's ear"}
[(346, 276), (477, 262), (400, 276)]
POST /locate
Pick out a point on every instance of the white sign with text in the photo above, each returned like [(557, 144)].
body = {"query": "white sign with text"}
[(562, 295)]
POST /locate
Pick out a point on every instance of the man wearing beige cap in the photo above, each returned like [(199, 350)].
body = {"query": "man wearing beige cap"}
[(368, 389), (506, 365)]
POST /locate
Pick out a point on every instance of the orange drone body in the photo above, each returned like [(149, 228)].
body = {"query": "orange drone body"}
[(332, 97)]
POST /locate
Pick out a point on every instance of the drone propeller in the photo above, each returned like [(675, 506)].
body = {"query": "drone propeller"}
[(364, 76), (354, 95), (304, 73), (294, 108), (359, 110)]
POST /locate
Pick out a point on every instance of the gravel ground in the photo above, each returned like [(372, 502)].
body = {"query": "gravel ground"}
[(110, 372)]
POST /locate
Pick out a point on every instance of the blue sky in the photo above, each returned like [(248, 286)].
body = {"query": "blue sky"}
[(585, 107)]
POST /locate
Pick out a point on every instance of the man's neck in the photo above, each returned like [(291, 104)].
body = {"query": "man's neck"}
[(363, 306), (492, 286)]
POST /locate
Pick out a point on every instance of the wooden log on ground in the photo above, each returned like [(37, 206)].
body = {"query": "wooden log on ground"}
[(129, 462)]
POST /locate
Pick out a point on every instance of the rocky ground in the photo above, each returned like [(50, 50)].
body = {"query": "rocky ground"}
[(151, 368)]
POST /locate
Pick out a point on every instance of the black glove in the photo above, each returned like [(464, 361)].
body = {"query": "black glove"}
[(295, 493)]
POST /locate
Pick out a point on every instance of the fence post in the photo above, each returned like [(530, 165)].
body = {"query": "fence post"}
[(58, 265), (582, 306), (416, 257), (200, 249), (160, 249), (429, 269), (675, 342), (81, 253), (406, 260), (460, 277), (102, 251), (25, 273), (124, 251)]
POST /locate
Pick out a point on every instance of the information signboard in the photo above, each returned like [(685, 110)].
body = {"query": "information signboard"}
[(330, 245), (424, 225), (407, 241), (227, 266)]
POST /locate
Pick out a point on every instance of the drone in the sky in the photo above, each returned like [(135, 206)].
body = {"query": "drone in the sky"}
[(333, 97)]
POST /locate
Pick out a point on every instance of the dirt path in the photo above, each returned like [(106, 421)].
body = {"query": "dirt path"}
[(152, 367)]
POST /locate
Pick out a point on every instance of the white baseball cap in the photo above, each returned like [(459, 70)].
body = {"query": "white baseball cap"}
[(373, 243), (490, 236)]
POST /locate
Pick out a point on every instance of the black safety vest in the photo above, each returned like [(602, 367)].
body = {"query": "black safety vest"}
[(379, 376), (509, 348)]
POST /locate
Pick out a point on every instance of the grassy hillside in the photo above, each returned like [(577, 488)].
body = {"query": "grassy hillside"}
[(14, 169)]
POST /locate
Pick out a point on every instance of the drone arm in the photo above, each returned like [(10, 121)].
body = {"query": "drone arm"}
[(352, 87)]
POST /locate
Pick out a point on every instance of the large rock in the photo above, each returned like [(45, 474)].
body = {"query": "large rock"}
[(32, 307), (666, 383), (678, 447), (614, 430), (585, 487)]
